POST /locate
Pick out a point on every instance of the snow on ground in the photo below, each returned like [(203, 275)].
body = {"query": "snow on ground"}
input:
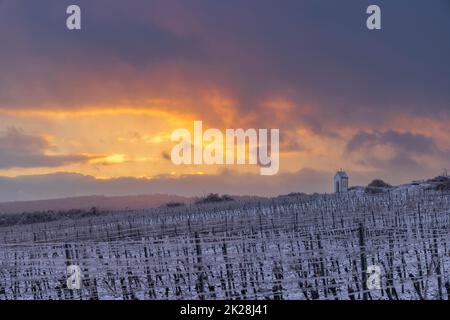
[(315, 247)]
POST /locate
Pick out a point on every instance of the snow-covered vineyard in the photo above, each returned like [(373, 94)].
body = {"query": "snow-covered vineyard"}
[(287, 248)]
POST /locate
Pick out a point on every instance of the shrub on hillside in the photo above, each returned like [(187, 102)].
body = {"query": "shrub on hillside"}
[(378, 183), (214, 197), (175, 204)]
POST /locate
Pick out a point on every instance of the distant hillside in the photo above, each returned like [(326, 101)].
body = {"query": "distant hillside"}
[(100, 202), (440, 183)]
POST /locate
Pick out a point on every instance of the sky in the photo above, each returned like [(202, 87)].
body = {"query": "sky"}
[(91, 111)]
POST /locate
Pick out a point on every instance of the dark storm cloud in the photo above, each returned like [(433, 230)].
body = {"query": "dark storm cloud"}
[(320, 52), (404, 141), (115, 57), (312, 52), (406, 152), (112, 31), (20, 150)]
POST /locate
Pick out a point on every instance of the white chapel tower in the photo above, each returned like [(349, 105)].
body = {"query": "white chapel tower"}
[(340, 182)]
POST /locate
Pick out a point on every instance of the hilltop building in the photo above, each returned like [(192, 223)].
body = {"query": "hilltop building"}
[(340, 182)]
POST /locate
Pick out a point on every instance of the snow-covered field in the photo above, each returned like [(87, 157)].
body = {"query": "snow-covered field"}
[(287, 248)]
